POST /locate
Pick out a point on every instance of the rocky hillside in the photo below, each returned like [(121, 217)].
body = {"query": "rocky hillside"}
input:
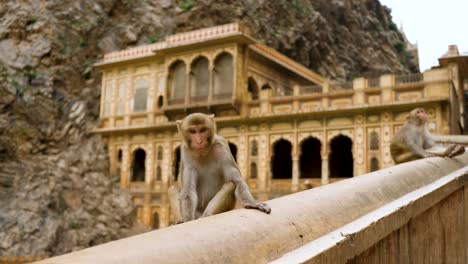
[(55, 192)]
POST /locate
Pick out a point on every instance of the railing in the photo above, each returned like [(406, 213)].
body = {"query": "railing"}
[(341, 86), (310, 89), (222, 96), (373, 83), (410, 213), (410, 78)]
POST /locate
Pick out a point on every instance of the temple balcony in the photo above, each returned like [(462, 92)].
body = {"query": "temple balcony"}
[(218, 104)]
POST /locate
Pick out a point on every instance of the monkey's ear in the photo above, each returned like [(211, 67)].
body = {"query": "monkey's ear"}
[(179, 125)]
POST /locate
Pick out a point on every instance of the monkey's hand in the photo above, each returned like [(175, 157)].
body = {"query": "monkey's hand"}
[(259, 206)]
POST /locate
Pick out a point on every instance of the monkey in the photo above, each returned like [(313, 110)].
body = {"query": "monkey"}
[(211, 179), (413, 141)]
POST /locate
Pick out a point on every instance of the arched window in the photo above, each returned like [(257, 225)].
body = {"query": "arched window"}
[(138, 165), (140, 98), (119, 155), (253, 170), (160, 153), (176, 164), (160, 101), (374, 164), (177, 82), (158, 173), (107, 98), (374, 141), (252, 88), (121, 98), (199, 79), (223, 76), (233, 149), (254, 148)]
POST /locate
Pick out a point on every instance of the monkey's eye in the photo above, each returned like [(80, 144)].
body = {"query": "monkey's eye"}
[(192, 131), (203, 130)]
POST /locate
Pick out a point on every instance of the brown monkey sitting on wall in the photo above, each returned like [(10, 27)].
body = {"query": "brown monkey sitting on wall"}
[(413, 140), (210, 177)]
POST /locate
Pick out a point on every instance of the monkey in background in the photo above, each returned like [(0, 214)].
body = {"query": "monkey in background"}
[(413, 140), (211, 180)]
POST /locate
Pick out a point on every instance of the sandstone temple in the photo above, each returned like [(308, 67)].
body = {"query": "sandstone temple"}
[(288, 128)]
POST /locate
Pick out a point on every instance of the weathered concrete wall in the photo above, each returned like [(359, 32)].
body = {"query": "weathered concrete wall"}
[(435, 236), (331, 224)]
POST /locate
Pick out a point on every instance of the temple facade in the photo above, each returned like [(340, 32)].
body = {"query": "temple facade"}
[(288, 128)]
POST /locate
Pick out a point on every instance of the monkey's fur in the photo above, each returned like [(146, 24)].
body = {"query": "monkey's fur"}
[(413, 140), (210, 177)]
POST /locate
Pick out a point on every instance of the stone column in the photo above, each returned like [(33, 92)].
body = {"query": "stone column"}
[(127, 100), (325, 170), (147, 217), (295, 174), (263, 166), (325, 90), (149, 165), (125, 174)]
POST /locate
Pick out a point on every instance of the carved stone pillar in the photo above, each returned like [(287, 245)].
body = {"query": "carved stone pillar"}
[(124, 178), (325, 170), (295, 174)]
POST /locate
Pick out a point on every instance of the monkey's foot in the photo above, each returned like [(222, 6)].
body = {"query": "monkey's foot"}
[(449, 150), (259, 206), (459, 149)]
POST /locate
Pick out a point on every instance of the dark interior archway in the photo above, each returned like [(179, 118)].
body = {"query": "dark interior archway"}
[(374, 164), (252, 88), (155, 220), (311, 160), (233, 149), (176, 163), (138, 165), (341, 157), (281, 162), (253, 170)]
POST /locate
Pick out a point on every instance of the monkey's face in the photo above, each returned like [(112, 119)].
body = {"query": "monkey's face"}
[(421, 114), (199, 137)]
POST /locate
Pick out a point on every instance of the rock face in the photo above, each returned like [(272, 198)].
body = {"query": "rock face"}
[(55, 192)]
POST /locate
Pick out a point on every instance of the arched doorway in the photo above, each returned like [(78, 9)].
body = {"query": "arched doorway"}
[(233, 149), (176, 164), (310, 160), (138, 165), (374, 164), (155, 220), (281, 162), (341, 157)]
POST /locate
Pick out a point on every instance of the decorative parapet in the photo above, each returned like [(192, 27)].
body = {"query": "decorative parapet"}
[(206, 34), (347, 218), (410, 78), (131, 53), (180, 39)]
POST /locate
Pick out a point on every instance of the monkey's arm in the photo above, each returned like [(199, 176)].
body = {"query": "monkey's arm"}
[(418, 150), (232, 173), (188, 195)]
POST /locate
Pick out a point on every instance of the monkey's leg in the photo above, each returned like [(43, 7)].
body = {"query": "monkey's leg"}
[(223, 201), (405, 157), (458, 150), (174, 201)]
